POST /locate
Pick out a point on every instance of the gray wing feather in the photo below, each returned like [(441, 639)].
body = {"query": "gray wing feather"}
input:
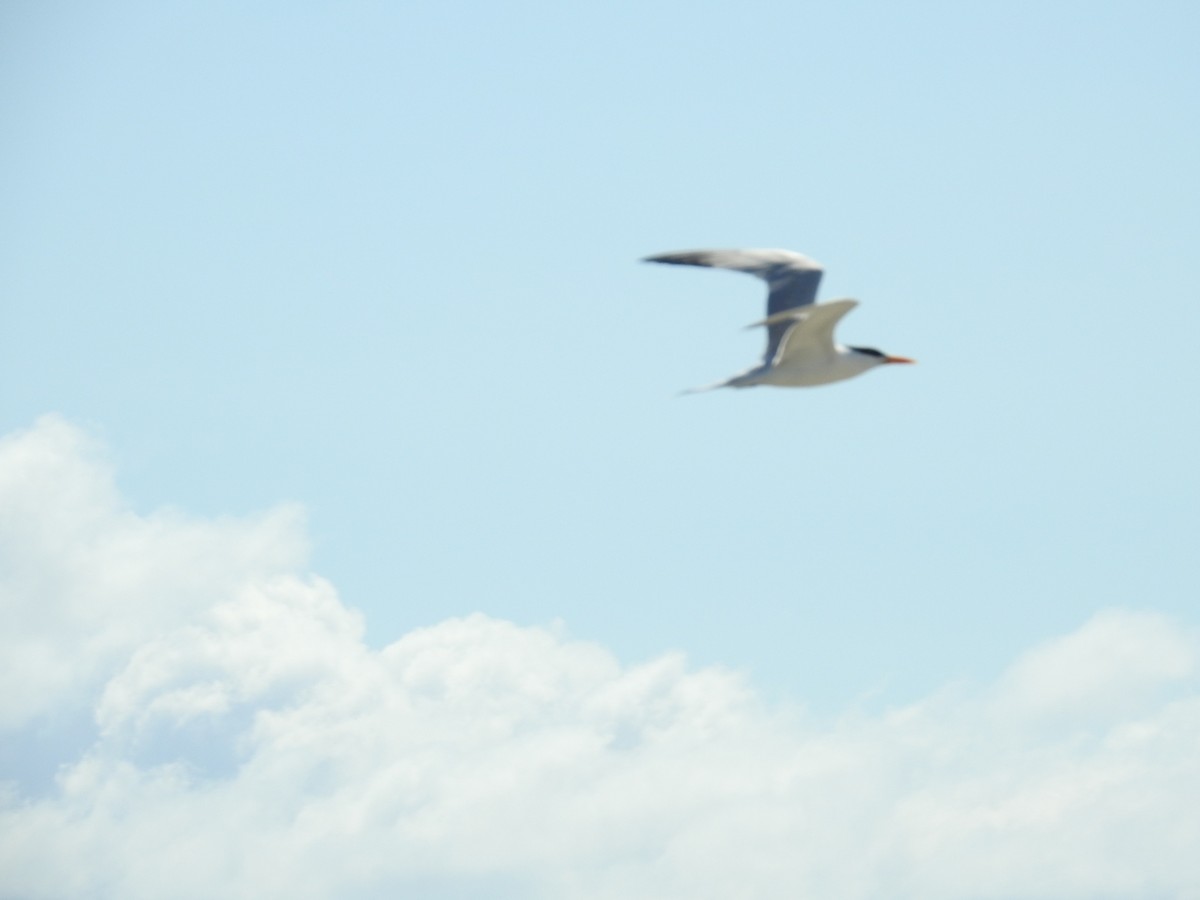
[(793, 279), (810, 334)]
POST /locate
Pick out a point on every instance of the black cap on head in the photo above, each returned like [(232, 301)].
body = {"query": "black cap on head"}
[(869, 351)]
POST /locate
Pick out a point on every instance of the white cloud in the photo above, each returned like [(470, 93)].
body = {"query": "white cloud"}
[(1112, 667), (223, 730), (88, 581)]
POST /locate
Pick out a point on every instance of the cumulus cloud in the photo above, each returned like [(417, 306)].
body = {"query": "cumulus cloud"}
[(188, 713), (86, 581)]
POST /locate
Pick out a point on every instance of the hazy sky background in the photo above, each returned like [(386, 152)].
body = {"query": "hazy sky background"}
[(372, 268)]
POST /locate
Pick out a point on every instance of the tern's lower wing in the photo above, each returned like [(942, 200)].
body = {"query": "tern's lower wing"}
[(809, 336)]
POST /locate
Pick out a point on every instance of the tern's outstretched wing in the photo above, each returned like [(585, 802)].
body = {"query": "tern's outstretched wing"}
[(808, 334), (792, 277)]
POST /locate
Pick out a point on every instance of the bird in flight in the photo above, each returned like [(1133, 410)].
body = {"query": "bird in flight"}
[(801, 351)]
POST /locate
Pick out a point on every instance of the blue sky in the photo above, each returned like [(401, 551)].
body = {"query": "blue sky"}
[(380, 261)]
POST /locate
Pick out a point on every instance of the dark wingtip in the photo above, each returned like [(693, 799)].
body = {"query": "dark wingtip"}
[(680, 258)]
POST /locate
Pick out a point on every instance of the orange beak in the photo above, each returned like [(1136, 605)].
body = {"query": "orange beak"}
[(899, 359)]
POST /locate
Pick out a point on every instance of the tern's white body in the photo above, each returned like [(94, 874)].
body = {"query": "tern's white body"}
[(801, 351), (845, 363)]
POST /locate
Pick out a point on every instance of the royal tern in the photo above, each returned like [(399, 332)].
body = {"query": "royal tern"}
[(801, 351)]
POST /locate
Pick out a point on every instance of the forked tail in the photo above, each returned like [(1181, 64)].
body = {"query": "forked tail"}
[(746, 379), (702, 390)]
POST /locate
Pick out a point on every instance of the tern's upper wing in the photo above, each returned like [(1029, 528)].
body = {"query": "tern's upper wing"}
[(809, 334), (792, 277)]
